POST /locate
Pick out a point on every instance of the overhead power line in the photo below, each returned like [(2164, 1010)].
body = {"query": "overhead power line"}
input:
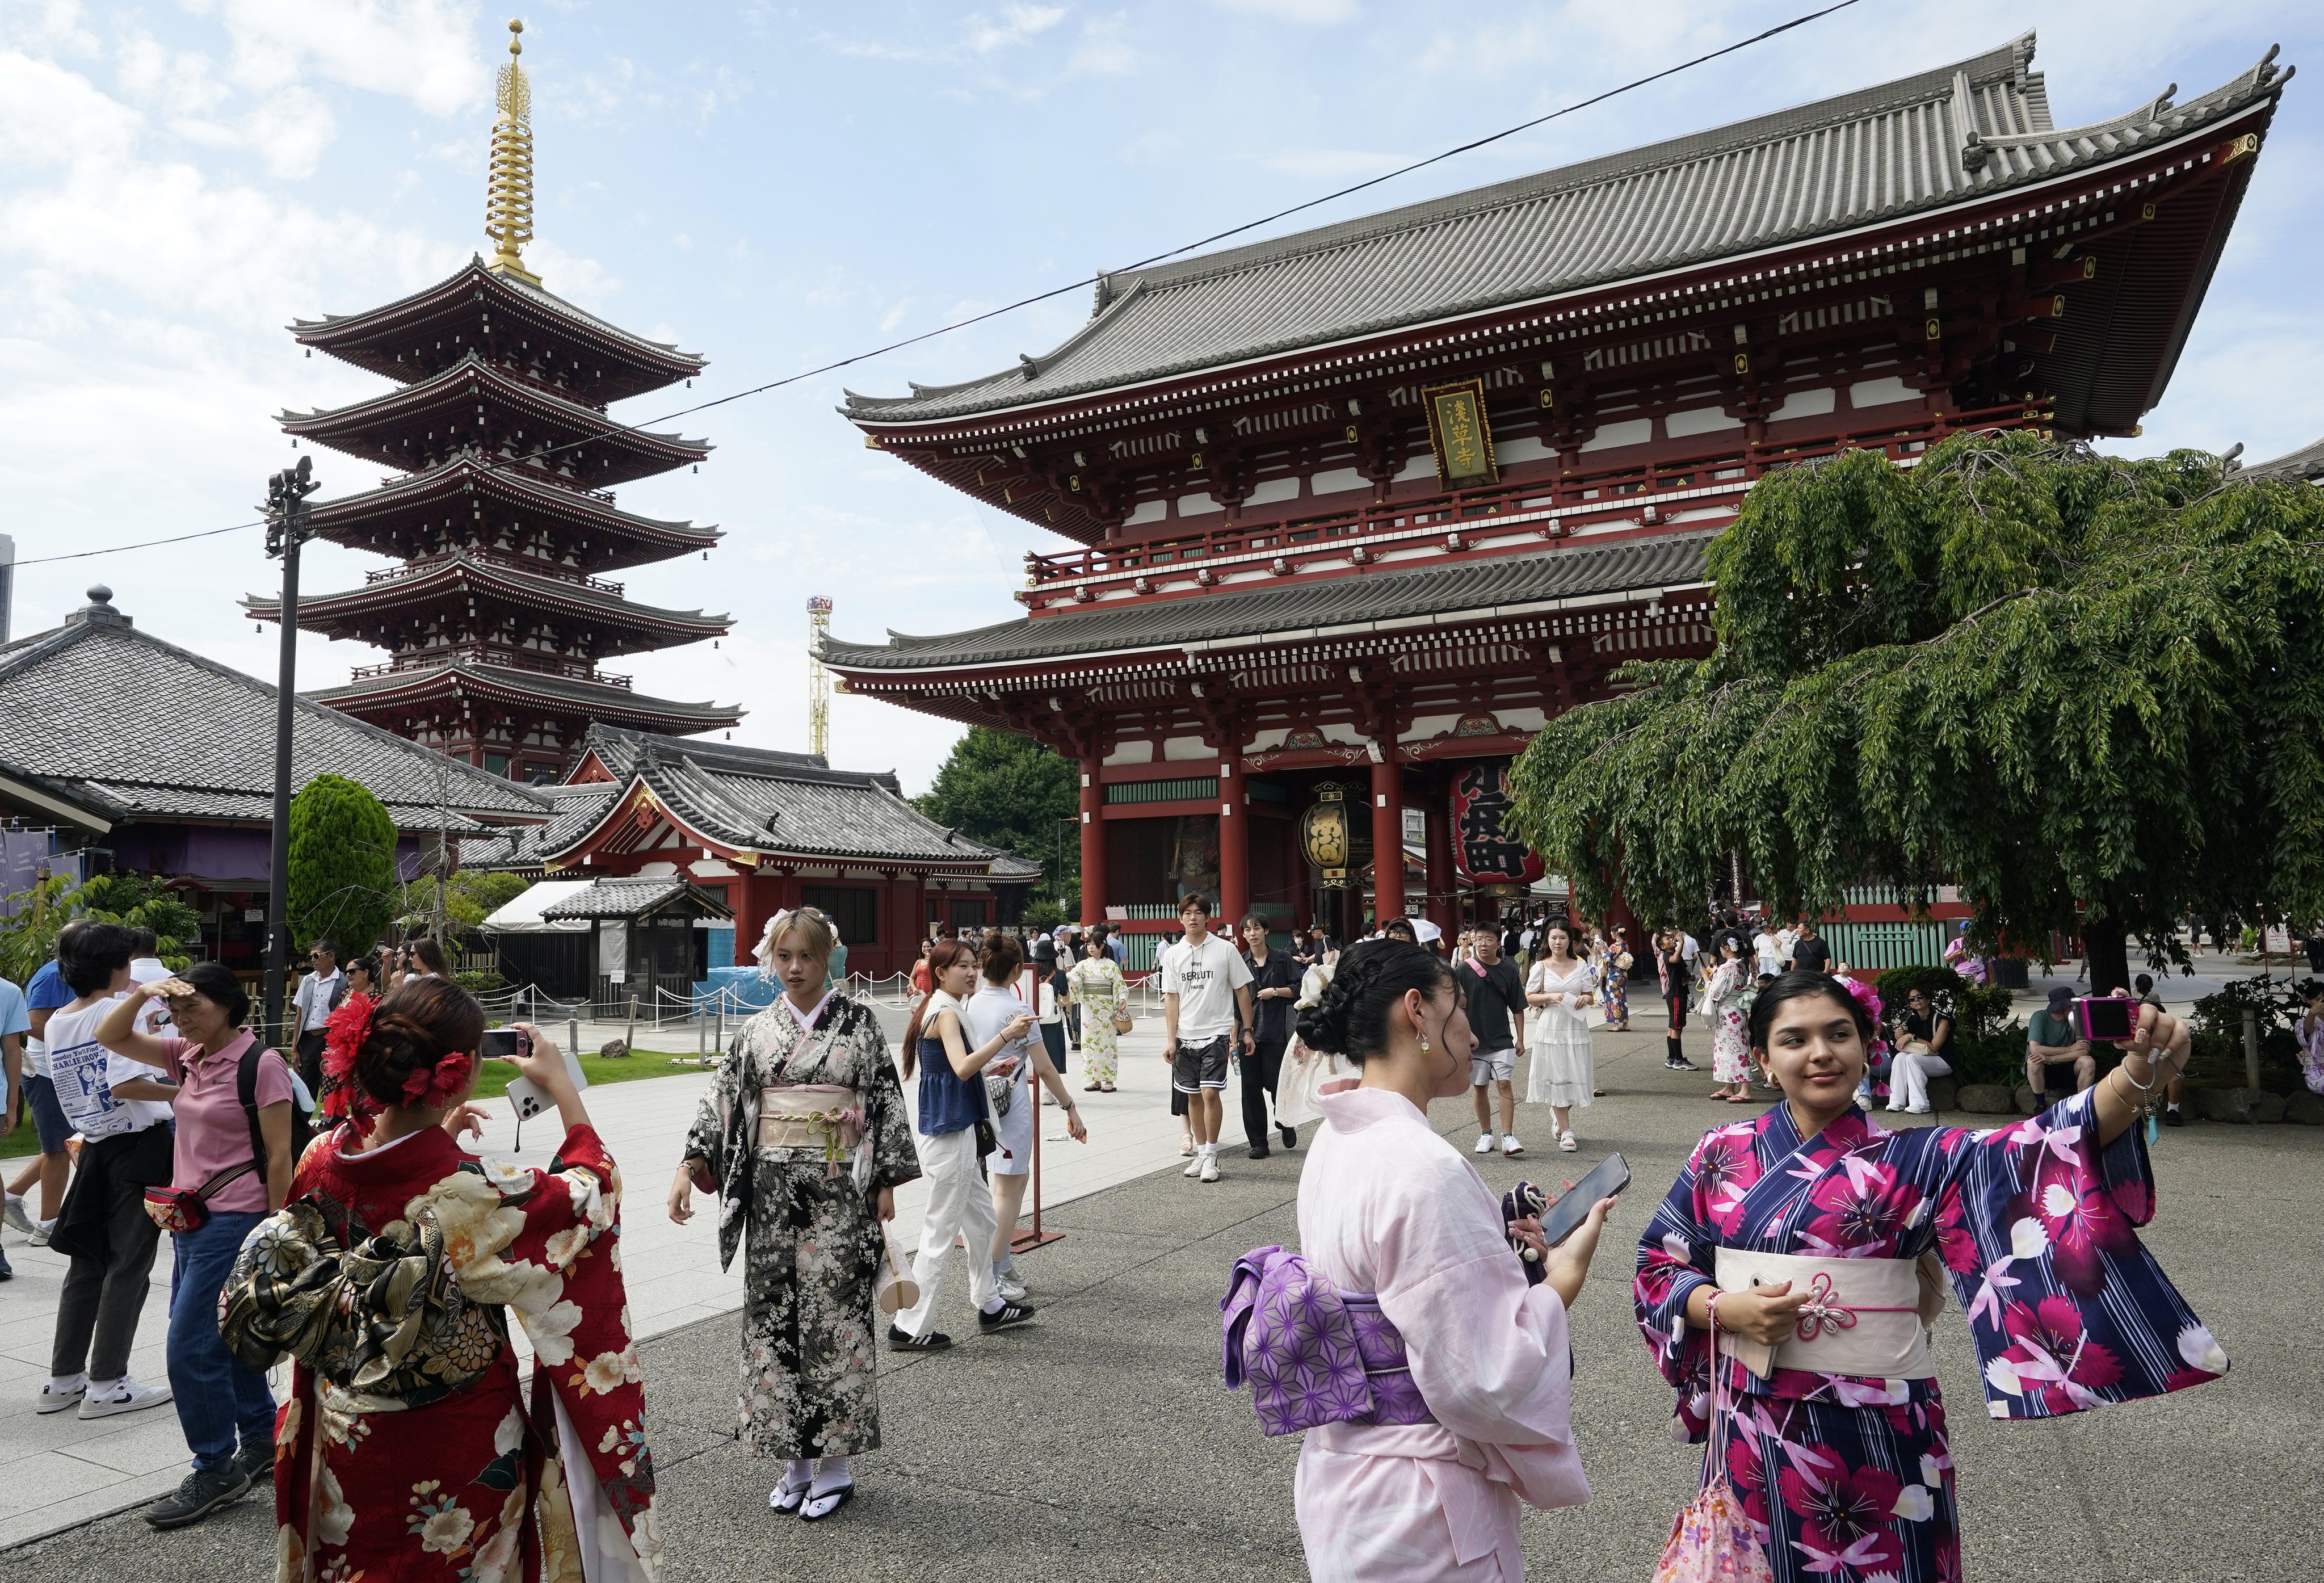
[(1087, 281)]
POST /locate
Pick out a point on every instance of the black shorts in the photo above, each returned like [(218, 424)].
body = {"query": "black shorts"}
[(1194, 1067)]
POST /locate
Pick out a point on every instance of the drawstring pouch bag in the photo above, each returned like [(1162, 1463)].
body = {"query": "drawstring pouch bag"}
[(1710, 1540)]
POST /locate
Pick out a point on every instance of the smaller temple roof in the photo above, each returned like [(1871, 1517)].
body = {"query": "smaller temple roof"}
[(448, 406), (465, 304), (1476, 590), (2307, 462), (776, 804), (117, 726), (1961, 132), (632, 898), (617, 538), (623, 625)]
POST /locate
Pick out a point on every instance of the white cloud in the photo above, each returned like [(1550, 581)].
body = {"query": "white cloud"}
[(1103, 48), (1015, 25), (426, 51), (1311, 12)]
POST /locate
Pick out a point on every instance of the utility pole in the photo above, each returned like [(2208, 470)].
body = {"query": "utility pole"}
[(287, 527), (818, 681)]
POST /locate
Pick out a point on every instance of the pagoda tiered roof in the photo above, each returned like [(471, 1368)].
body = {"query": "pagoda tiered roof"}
[(509, 320), (467, 499), (475, 409), (1935, 141), (394, 607), (416, 684)]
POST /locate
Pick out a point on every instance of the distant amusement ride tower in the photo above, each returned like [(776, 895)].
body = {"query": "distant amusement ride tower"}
[(501, 511)]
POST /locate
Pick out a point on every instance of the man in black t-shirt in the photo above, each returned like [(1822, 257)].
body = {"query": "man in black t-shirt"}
[(1810, 954), (1274, 987), (1497, 1006)]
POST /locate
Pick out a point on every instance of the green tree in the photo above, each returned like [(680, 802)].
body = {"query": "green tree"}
[(1008, 793), (2089, 692), (342, 879), (28, 939), (470, 897)]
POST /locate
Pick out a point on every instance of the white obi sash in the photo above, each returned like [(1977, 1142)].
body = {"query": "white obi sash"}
[(827, 1117), (1862, 1318)]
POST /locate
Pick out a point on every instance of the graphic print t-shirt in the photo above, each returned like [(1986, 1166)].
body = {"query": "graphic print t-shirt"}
[(1204, 981), (80, 1068)]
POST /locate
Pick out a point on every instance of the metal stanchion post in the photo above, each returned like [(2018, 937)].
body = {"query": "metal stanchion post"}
[(630, 1034), (1026, 1240), (573, 1035)]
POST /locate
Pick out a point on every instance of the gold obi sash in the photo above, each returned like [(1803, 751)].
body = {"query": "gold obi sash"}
[(1863, 1316), (827, 1117)]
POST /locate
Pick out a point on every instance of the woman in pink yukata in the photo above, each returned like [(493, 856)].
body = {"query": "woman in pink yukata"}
[(1821, 1245), (1387, 1207)]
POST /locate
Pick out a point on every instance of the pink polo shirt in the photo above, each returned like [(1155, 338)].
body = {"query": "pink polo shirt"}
[(213, 1129)]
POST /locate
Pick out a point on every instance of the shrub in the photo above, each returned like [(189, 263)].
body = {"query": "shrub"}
[(2216, 1033), (484, 982), (342, 878)]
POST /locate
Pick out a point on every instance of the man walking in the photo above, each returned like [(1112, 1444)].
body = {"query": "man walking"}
[(1810, 954), (1205, 997), (1497, 1006), (319, 995), (1273, 985)]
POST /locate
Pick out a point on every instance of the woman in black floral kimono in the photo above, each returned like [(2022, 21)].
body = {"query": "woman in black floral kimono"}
[(805, 1138)]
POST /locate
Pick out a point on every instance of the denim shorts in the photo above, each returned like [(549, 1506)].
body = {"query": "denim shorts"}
[(48, 1115)]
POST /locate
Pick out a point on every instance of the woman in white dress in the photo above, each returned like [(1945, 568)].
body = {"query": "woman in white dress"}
[(1561, 988)]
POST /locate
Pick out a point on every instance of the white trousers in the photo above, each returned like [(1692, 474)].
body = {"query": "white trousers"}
[(959, 1205), (1908, 1078)]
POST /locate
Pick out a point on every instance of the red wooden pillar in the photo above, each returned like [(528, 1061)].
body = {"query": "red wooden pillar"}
[(1443, 907), (1387, 833), (1093, 843), (1234, 849)]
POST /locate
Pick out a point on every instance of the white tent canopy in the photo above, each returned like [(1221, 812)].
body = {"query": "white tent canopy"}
[(522, 915)]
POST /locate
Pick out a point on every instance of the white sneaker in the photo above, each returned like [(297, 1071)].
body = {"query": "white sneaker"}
[(1011, 1288), (1509, 1144), (17, 1219), (1195, 1166), (39, 1237), (1565, 1143), (125, 1395), (51, 1399), (1210, 1168), (1484, 1142)]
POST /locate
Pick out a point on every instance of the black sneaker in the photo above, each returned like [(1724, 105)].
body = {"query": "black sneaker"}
[(203, 1491), (256, 1458), (934, 1341), (1681, 1066), (2172, 1118), (1008, 1314), (1258, 1152), (1290, 1136)]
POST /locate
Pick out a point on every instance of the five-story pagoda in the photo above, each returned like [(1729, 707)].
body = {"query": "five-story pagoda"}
[(502, 514)]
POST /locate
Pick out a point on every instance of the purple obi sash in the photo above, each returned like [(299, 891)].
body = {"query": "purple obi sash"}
[(1314, 1354)]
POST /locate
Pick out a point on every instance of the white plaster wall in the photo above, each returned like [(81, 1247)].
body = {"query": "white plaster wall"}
[(1629, 431), (1699, 420)]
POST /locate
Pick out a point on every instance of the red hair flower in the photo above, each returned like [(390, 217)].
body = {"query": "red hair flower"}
[(437, 1085), (342, 1097)]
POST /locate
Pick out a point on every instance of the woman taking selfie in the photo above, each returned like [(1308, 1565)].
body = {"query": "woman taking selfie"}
[(1820, 1244), (408, 1449), (956, 1130), (804, 1138), (1389, 1208)]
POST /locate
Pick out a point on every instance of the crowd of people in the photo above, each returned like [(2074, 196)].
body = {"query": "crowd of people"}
[(388, 1264)]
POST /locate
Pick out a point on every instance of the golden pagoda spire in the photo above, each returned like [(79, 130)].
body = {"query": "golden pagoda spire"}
[(508, 200)]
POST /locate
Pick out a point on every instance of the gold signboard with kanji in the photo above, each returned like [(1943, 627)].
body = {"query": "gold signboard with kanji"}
[(1462, 434)]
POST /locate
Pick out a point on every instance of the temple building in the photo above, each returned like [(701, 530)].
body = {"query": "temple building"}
[(1362, 507), (499, 615), (762, 831)]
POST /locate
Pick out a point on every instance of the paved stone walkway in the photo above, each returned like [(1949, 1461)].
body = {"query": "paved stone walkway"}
[(1096, 1443)]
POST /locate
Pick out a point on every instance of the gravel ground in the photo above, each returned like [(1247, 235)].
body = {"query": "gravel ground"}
[(1097, 1443)]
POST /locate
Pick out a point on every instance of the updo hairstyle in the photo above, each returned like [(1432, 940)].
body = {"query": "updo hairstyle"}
[(1798, 986), (1000, 957), (1351, 1018), (415, 1025), (809, 930), (215, 982)]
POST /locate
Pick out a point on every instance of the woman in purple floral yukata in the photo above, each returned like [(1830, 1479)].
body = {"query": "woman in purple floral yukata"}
[(1820, 1243)]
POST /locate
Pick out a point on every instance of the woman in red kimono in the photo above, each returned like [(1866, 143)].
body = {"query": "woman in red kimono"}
[(410, 1448)]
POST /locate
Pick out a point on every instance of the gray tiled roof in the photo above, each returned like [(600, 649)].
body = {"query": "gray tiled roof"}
[(773, 802), (595, 698), (1449, 594), (2307, 462), (578, 810), (1874, 155), (630, 898), (462, 572), (133, 726)]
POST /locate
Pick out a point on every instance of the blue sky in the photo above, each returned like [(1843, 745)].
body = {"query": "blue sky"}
[(775, 187)]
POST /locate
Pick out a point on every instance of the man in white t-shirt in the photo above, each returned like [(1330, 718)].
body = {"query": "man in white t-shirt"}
[(1205, 997), (1768, 947)]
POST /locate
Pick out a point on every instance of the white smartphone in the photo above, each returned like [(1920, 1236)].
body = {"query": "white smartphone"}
[(528, 1096)]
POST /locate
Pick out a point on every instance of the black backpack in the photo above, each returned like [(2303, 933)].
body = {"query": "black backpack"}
[(245, 1088)]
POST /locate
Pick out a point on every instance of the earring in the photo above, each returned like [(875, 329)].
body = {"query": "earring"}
[(1424, 1044)]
